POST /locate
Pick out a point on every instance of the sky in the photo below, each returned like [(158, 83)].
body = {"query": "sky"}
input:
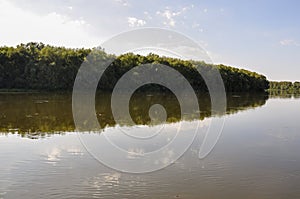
[(259, 35)]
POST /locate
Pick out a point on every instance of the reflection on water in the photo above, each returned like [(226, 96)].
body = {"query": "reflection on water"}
[(33, 114), (257, 155), (283, 94)]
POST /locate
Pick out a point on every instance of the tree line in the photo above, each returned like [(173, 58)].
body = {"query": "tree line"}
[(36, 66), (285, 86)]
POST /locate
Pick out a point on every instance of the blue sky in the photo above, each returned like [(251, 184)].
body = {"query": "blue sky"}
[(260, 35)]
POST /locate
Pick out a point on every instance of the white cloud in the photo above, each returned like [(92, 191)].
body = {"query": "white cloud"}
[(170, 15), (134, 22), (122, 2), (22, 26), (196, 26), (148, 16), (289, 42)]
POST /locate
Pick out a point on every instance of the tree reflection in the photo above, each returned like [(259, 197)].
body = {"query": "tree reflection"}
[(41, 114)]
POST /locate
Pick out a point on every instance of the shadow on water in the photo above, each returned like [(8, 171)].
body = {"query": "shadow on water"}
[(36, 115)]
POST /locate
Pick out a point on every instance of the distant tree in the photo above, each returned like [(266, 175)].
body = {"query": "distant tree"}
[(44, 67)]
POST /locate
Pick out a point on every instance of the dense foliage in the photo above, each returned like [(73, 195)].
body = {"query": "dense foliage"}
[(39, 66), (35, 66), (285, 86)]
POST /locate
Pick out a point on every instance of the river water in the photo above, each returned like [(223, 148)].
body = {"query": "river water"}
[(256, 156)]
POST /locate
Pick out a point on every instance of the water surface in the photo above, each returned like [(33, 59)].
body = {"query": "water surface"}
[(257, 155)]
